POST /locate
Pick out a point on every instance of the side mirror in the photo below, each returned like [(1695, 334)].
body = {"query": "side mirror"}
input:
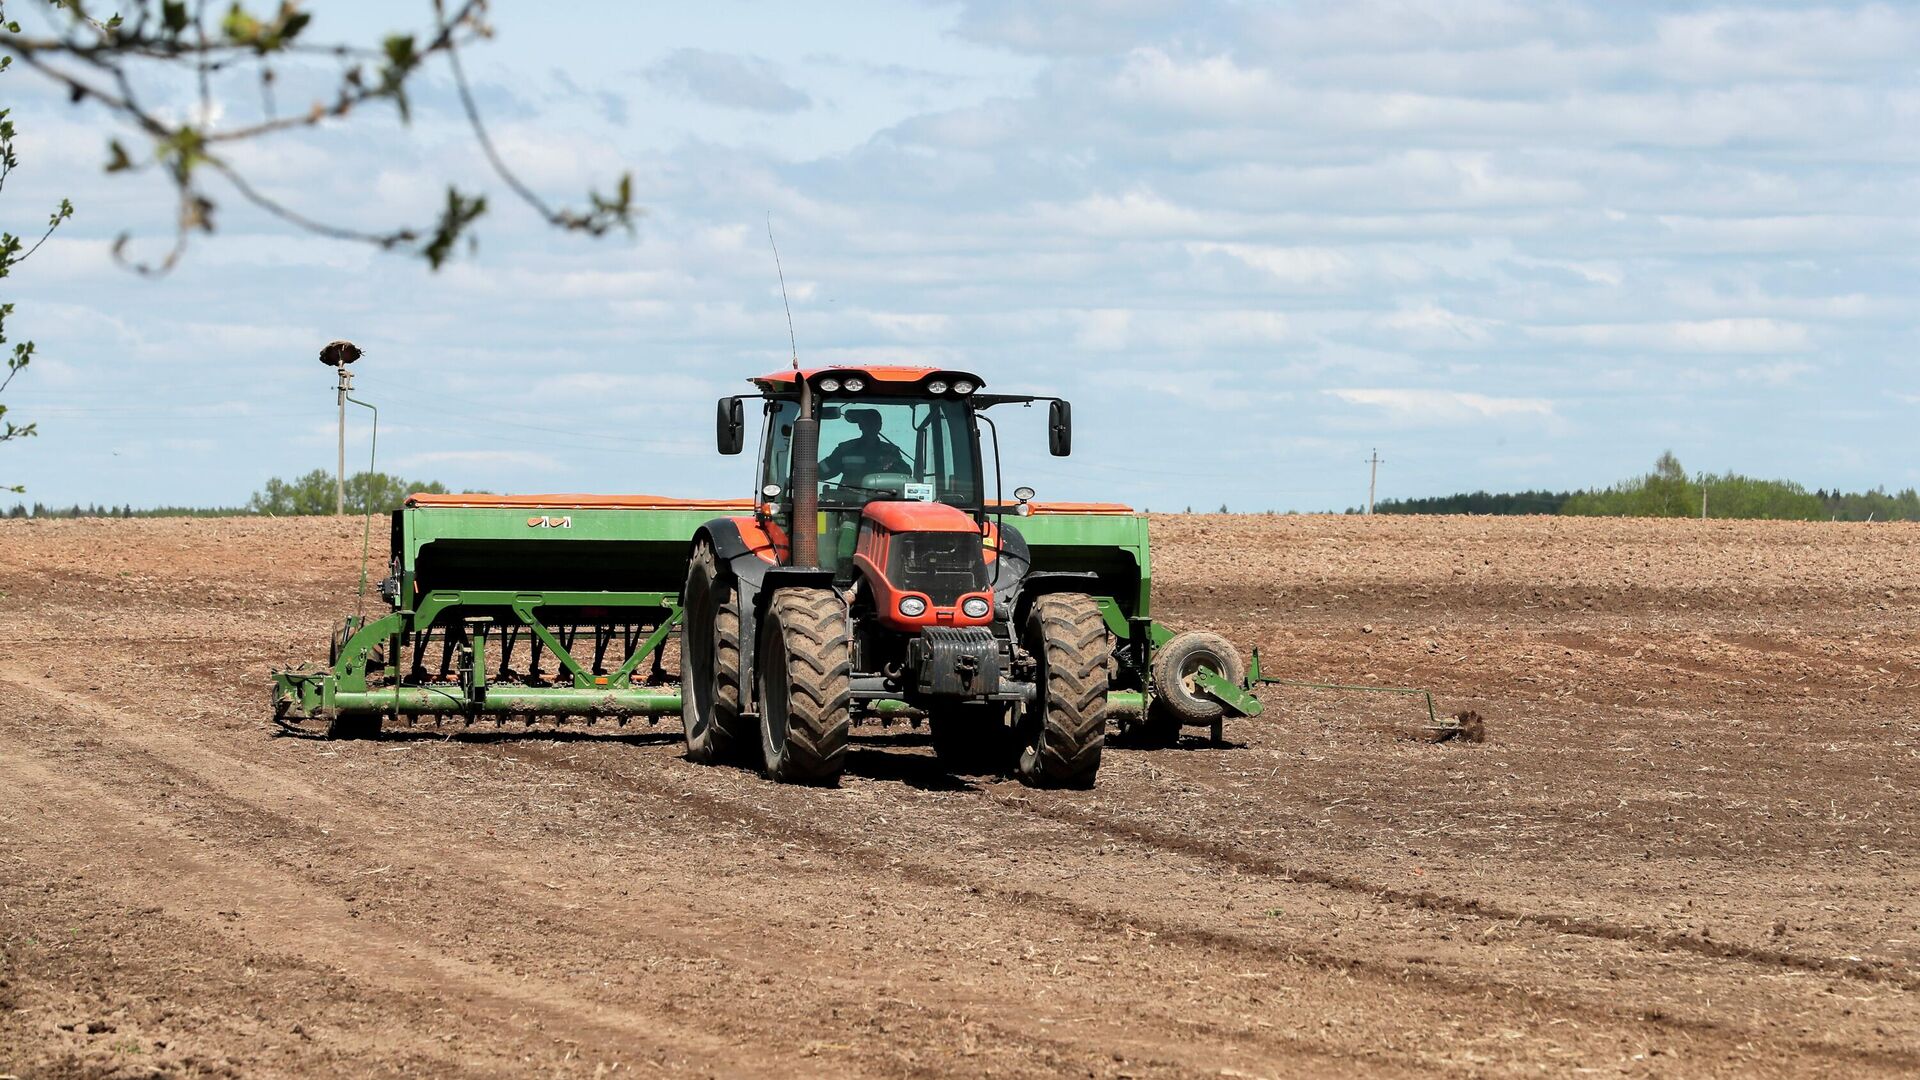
[(1060, 429), (730, 425)]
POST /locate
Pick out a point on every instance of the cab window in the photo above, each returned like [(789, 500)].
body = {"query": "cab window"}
[(883, 448)]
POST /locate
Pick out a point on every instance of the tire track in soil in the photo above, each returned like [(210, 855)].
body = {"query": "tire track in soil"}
[(1452, 987), (373, 953), (294, 894), (1755, 682), (1429, 900)]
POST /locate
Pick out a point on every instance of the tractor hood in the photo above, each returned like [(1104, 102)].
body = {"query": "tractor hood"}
[(907, 517)]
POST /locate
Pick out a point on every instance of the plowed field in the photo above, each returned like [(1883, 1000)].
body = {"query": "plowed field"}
[(1686, 848)]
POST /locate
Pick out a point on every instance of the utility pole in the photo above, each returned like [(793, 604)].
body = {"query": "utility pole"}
[(1373, 476), (340, 469), (338, 355)]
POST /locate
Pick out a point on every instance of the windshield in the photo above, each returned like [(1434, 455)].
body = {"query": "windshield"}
[(884, 448)]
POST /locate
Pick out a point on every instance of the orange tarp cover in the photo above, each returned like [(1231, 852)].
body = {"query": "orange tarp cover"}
[(1069, 508), (581, 502), (661, 502)]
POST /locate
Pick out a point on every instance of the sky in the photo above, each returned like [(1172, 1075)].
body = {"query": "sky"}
[(1508, 244)]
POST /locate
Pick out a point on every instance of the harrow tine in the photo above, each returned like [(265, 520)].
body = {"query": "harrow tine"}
[(602, 637), (418, 672)]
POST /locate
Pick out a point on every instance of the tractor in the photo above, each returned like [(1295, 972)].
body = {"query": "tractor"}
[(880, 580), (881, 572)]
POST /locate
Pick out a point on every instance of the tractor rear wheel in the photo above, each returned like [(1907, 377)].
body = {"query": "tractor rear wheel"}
[(1063, 730), (971, 738), (710, 661), (805, 669), (1177, 698)]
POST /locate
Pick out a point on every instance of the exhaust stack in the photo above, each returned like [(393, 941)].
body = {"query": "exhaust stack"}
[(804, 480)]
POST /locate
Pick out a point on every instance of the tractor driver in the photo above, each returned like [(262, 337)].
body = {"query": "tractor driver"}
[(866, 454)]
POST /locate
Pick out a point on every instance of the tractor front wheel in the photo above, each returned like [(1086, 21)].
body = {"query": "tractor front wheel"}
[(1064, 728), (805, 669), (710, 661)]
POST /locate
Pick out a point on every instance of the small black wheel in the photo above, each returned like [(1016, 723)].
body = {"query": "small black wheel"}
[(1177, 697), (710, 661), (972, 738), (1064, 728), (805, 676)]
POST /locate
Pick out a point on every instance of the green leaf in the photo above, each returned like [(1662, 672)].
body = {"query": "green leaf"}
[(240, 27), (459, 213), (400, 63)]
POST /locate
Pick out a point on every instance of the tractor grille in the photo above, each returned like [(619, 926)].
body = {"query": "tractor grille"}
[(944, 565)]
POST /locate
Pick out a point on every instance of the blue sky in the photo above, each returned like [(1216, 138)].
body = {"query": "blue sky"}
[(1509, 244)]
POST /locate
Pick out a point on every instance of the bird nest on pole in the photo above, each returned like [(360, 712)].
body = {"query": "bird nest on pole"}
[(339, 353)]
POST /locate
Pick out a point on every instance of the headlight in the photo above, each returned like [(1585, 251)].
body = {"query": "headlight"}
[(913, 607), (856, 384), (976, 607), (936, 387), (962, 386), (830, 385)]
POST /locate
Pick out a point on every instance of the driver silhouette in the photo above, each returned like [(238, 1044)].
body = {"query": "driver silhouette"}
[(865, 454)]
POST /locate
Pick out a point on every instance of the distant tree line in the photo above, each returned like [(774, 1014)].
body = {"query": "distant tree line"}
[(1478, 502), (310, 494), (1669, 491), (314, 493)]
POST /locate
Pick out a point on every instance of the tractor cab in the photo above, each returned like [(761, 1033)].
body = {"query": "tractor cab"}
[(895, 467), (880, 442)]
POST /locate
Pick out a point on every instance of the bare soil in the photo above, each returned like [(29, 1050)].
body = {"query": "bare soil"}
[(1685, 847)]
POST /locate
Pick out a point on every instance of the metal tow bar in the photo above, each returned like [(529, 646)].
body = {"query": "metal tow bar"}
[(1241, 699)]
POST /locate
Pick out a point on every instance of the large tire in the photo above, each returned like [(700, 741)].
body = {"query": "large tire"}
[(805, 673), (1064, 729), (1177, 699), (971, 738), (710, 662)]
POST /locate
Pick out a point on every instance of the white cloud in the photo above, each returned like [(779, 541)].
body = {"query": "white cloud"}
[(1701, 335), (1443, 406), (479, 459), (1434, 327), (729, 80)]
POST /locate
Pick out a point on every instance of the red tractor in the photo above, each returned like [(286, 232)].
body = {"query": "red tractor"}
[(877, 579)]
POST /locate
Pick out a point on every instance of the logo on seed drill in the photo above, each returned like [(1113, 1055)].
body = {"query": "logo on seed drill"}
[(547, 522)]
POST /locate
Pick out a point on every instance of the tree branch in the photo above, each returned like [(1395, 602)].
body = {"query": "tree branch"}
[(95, 60)]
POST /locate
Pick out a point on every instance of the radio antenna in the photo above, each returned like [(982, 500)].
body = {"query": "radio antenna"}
[(791, 342)]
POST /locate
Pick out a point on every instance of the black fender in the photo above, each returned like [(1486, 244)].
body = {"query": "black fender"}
[(757, 579), (738, 556), (1011, 565), (1039, 584)]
